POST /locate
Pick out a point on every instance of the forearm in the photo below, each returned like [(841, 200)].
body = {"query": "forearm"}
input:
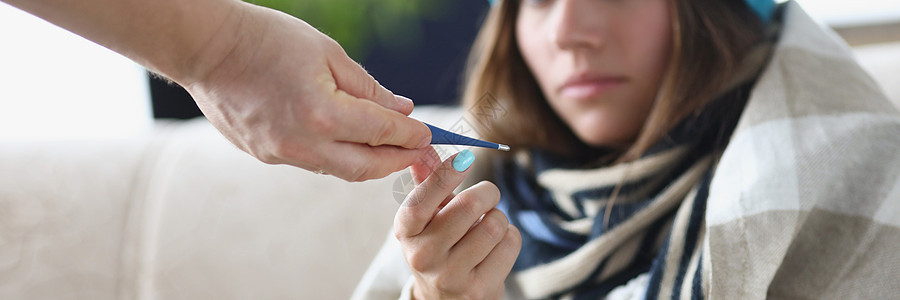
[(180, 39)]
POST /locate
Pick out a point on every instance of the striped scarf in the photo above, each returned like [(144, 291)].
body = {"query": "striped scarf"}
[(578, 244)]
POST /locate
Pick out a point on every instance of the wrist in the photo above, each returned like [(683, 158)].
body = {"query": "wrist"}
[(215, 40)]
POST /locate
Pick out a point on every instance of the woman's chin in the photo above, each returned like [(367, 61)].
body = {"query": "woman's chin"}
[(603, 129), (599, 139)]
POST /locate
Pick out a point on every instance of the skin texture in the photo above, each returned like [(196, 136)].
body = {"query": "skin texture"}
[(457, 246), (275, 86), (598, 63)]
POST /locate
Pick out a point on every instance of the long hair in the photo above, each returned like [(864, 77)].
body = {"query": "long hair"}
[(710, 38)]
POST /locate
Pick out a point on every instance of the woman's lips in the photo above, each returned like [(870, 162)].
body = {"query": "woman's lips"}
[(585, 87)]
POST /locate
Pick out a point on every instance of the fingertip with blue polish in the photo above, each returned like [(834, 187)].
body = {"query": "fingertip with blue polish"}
[(463, 160)]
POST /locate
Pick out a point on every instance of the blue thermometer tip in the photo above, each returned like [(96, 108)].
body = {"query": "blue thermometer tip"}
[(443, 137)]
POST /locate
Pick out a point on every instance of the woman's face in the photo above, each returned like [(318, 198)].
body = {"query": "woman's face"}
[(598, 62)]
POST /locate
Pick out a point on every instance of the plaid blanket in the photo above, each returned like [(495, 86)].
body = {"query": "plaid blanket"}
[(805, 202)]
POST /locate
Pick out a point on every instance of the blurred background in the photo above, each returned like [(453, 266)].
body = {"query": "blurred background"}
[(414, 48), (54, 84)]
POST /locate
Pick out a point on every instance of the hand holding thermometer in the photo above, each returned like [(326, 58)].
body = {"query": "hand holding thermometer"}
[(443, 137)]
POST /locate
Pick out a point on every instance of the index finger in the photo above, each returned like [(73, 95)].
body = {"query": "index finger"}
[(351, 78), (421, 204)]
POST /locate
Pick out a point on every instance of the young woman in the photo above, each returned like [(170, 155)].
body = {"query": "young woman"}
[(663, 149)]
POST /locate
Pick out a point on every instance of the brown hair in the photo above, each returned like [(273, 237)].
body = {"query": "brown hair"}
[(710, 37)]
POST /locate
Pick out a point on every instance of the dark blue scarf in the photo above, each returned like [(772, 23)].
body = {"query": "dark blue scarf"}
[(566, 217)]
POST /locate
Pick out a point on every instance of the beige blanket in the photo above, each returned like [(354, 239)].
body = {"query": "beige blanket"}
[(805, 202)]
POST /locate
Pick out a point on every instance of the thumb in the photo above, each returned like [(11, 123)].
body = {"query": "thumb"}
[(351, 78)]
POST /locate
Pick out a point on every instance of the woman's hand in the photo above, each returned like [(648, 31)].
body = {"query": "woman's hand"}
[(288, 94), (458, 246)]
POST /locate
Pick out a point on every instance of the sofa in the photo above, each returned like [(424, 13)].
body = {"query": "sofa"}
[(180, 213)]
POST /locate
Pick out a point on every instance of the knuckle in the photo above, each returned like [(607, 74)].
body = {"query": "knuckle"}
[(332, 47), (401, 227), (385, 133), (420, 256), (513, 237), (494, 227), (285, 151), (330, 44), (373, 87), (279, 150), (276, 150), (446, 282), (404, 223), (322, 122), (468, 202), (479, 198), (399, 233), (407, 222), (501, 216), (267, 157), (418, 262)]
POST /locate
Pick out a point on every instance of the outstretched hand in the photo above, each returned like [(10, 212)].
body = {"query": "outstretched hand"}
[(288, 94), (272, 84)]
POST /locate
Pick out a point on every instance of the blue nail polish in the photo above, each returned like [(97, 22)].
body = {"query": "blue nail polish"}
[(463, 160)]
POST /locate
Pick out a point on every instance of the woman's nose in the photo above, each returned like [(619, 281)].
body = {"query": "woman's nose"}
[(577, 24)]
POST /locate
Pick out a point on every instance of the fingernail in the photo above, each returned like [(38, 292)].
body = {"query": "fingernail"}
[(463, 160)]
